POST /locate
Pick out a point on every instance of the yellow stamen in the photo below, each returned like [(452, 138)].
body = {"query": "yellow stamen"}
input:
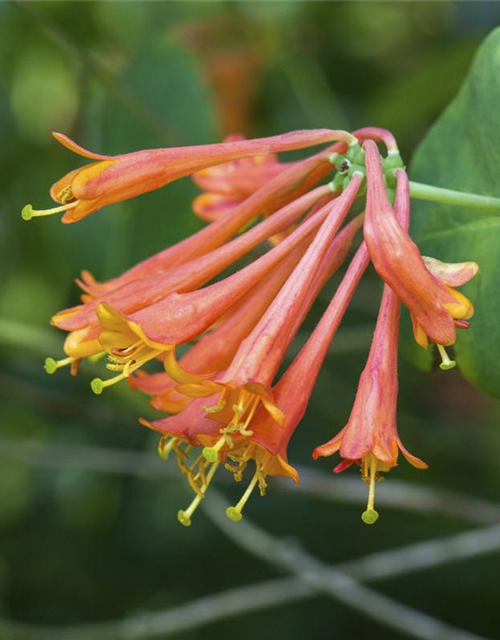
[(184, 517), (165, 446), (52, 365), (446, 362), (242, 461), (127, 366), (216, 407), (65, 195), (234, 513), (370, 515), (28, 212)]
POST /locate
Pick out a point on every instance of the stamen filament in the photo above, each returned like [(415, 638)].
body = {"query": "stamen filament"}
[(97, 384), (370, 515), (446, 362), (184, 517), (234, 513), (28, 212)]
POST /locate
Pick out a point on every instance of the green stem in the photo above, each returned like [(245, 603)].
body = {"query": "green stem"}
[(448, 196)]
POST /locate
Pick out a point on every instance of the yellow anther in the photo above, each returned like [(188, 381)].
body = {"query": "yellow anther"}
[(370, 515), (127, 366), (216, 407), (165, 446), (28, 212), (65, 195), (446, 362), (51, 365)]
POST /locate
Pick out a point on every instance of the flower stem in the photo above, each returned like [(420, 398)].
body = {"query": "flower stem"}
[(448, 196)]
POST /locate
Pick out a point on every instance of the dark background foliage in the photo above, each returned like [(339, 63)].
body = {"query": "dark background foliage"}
[(82, 546)]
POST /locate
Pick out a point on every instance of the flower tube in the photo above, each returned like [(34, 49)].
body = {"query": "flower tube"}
[(370, 437), (115, 178), (436, 308)]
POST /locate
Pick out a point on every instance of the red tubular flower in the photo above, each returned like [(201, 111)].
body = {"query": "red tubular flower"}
[(228, 185), (434, 305), (267, 443), (135, 338), (114, 178), (82, 320), (370, 437), (214, 351), (293, 181), (247, 382), (216, 234)]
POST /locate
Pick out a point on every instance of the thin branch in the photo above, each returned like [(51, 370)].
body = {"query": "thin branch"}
[(330, 581), (266, 595), (396, 494)]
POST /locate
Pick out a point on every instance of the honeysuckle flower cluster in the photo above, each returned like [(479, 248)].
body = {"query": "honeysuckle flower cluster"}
[(226, 405)]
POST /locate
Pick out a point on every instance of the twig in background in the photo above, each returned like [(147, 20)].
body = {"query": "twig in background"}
[(330, 581)]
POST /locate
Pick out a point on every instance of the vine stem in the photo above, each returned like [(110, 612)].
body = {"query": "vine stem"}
[(449, 196)]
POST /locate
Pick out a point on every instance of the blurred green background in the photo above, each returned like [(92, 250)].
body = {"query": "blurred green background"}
[(82, 545)]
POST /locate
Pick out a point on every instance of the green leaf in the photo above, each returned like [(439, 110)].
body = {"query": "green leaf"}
[(462, 151)]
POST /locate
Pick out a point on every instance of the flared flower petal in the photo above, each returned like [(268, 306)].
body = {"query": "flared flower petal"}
[(433, 305), (370, 437)]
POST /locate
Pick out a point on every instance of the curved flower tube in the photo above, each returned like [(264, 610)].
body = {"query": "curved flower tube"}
[(435, 307), (219, 232), (268, 442), (133, 339), (214, 351), (247, 382), (370, 437), (115, 178)]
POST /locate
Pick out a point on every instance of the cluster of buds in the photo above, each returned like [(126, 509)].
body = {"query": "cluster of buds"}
[(226, 405)]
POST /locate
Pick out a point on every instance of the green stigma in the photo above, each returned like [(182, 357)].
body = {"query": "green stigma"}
[(210, 454), (369, 516), (445, 366), (50, 365), (27, 212), (97, 386), (233, 514), (183, 518)]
